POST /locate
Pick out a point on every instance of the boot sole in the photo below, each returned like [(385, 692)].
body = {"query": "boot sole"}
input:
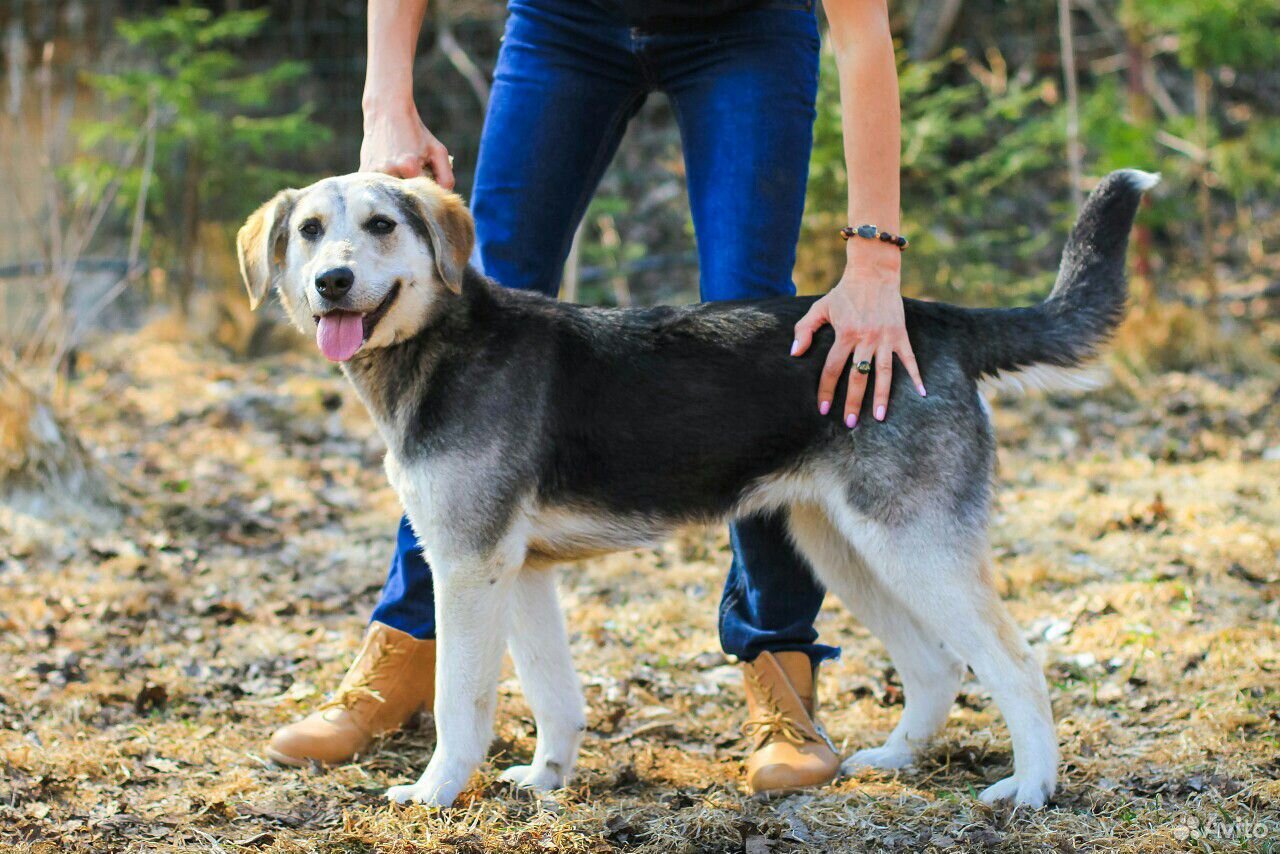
[(295, 761), (770, 794)]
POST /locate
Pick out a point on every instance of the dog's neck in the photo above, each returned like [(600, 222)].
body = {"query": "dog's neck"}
[(380, 374)]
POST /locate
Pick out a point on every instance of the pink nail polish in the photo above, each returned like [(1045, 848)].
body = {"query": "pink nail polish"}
[(920, 388), (795, 345), (824, 407), (851, 421), (880, 412)]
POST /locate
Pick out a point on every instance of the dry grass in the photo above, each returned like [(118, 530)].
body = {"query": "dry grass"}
[(1137, 533), (44, 468)]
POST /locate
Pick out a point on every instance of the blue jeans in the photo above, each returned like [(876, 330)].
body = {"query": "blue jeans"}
[(570, 75)]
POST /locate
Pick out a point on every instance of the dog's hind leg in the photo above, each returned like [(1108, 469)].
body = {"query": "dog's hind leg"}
[(472, 613), (930, 672), (939, 570), (540, 648)]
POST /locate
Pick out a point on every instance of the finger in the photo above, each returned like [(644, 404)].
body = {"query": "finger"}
[(884, 380), (837, 359), (908, 359), (406, 166), (857, 384), (441, 166), (814, 319)]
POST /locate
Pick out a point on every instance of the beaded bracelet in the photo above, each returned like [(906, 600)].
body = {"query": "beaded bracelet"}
[(870, 232)]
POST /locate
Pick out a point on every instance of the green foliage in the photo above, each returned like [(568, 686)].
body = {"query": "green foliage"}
[(1249, 164), (1237, 33), (214, 139)]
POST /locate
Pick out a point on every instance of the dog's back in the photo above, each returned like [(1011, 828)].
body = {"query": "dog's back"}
[(680, 413)]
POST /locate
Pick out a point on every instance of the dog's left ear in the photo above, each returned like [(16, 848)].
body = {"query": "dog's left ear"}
[(448, 225), (261, 242)]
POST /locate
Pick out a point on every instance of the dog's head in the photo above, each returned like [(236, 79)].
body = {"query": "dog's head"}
[(363, 260)]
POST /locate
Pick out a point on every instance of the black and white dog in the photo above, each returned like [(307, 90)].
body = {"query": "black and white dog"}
[(522, 431)]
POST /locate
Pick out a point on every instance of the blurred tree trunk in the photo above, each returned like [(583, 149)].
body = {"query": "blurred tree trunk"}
[(1140, 113), (15, 58), (189, 239), (1075, 154), (930, 27), (1204, 201)]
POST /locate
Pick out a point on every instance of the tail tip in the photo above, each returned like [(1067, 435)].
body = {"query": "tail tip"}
[(1139, 180)]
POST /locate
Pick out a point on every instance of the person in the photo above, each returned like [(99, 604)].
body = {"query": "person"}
[(741, 76)]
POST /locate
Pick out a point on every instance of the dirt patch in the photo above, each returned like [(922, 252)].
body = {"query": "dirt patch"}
[(1136, 538)]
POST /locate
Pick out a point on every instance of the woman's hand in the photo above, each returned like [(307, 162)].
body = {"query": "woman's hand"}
[(865, 310), (398, 143)]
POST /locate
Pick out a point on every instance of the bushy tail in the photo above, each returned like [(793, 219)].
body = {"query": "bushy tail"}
[(1087, 302)]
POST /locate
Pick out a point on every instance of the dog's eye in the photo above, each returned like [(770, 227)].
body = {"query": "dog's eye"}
[(310, 228), (380, 225)]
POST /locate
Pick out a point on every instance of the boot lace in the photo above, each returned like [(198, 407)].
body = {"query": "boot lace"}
[(773, 722), (383, 656)]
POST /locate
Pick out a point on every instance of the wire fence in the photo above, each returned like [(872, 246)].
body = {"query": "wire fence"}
[(48, 47)]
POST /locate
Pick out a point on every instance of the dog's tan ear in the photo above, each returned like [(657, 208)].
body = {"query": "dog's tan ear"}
[(260, 244), (448, 225)]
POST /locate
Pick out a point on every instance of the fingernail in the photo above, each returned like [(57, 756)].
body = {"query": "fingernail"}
[(880, 412), (795, 345), (920, 388), (851, 421), (824, 407)]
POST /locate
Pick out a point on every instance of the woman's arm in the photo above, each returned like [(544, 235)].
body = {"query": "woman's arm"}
[(395, 139), (865, 308)]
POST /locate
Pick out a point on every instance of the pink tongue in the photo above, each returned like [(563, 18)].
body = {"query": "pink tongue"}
[(339, 335)]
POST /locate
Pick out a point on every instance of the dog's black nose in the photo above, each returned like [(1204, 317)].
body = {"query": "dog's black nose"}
[(334, 284)]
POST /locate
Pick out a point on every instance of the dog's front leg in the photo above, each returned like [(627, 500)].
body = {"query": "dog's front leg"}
[(472, 604), (540, 648)]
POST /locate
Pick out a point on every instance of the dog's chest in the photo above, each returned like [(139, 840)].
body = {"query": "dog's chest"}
[(421, 490)]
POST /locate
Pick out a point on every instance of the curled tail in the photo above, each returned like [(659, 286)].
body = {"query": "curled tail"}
[(1087, 302)]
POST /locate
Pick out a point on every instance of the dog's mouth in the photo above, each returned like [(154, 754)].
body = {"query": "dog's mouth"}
[(341, 334)]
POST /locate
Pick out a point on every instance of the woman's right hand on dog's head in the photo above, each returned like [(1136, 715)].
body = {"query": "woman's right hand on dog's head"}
[(398, 143)]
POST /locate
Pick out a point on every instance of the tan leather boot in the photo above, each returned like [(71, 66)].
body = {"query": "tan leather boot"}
[(791, 750), (393, 676)]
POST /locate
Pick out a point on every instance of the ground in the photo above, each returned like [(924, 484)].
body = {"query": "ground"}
[(146, 661)]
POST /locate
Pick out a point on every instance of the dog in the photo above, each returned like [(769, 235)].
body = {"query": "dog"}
[(522, 432)]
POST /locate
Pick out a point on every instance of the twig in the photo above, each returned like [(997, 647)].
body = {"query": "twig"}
[(148, 166), (457, 56), (573, 268), (1180, 145), (640, 730), (1115, 34), (1271, 291), (53, 322), (132, 268)]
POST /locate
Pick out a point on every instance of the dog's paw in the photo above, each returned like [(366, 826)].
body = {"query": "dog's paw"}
[(543, 777), (886, 758), (1030, 792), (426, 792)]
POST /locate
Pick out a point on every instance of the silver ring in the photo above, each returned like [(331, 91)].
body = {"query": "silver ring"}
[(863, 367)]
